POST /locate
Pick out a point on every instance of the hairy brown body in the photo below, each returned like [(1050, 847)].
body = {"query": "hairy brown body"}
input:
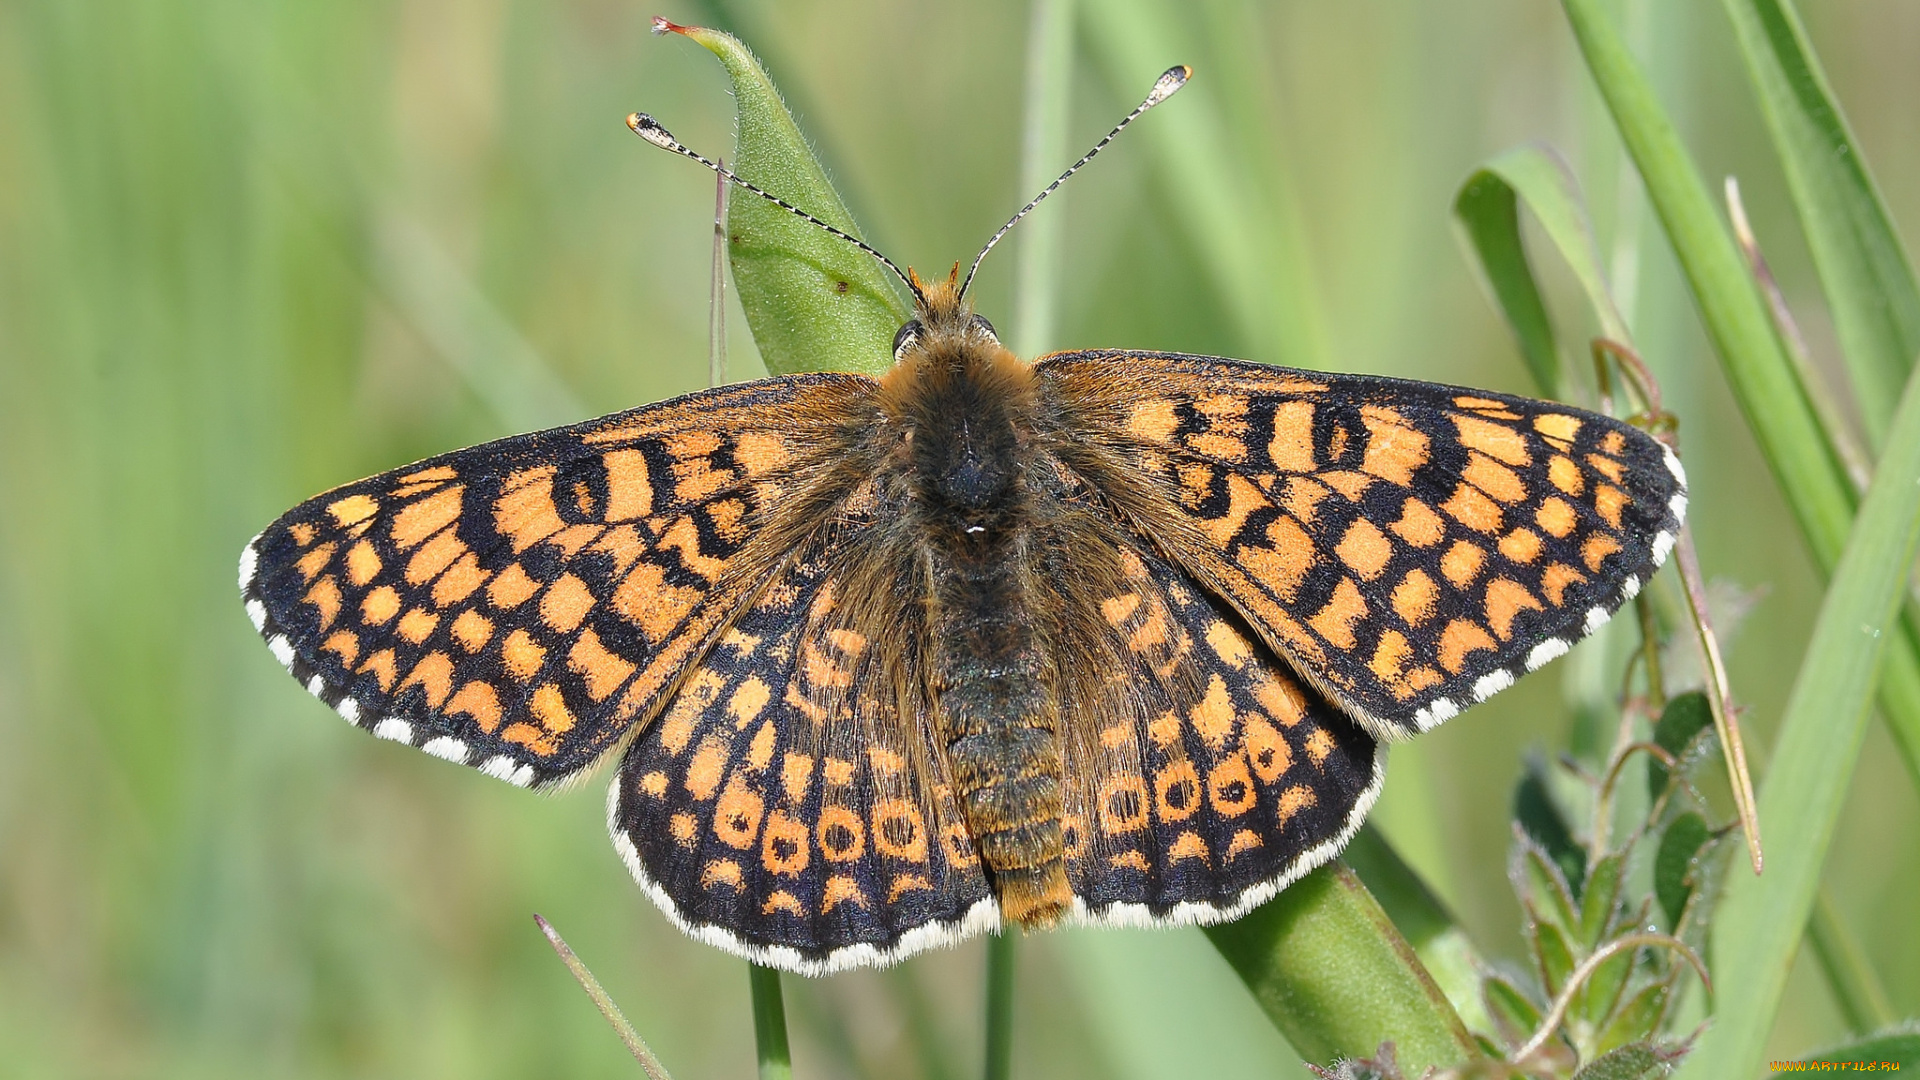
[(964, 406)]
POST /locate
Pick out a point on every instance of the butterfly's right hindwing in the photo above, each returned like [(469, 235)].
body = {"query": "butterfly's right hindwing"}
[(1213, 776), (516, 606)]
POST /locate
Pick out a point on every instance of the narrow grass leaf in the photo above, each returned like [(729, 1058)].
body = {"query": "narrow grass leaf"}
[(1856, 986), (1758, 927), (1044, 149), (1486, 212), (813, 301), (1864, 271), (1762, 377)]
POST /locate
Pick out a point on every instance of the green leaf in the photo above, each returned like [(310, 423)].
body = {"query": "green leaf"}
[(1630, 1062), (1327, 966), (1869, 284), (1486, 214), (1759, 923), (1604, 987), (1602, 895), (1900, 1046), (1684, 718), (1673, 863), (813, 301), (1636, 1020), (1514, 1015), (1540, 819), (1552, 956)]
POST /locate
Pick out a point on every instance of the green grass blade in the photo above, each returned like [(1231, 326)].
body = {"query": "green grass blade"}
[(1857, 992), (1863, 269), (1898, 1047), (1730, 304), (1328, 967), (1758, 928), (1751, 354), (1487, 213), (813, 301)]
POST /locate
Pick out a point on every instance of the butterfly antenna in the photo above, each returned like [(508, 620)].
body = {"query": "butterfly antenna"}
[(1163, 88), (649, 129)]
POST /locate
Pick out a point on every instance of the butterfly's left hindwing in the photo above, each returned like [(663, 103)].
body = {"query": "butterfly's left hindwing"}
[(517, 606), (1409, 548)]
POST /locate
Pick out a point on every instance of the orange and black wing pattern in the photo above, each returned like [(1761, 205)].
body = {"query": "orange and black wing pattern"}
[(1408, 548), (1211, 777), (518, 606), (787, 805)]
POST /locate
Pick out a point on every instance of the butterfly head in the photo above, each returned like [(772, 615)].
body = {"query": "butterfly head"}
[(943, 321)]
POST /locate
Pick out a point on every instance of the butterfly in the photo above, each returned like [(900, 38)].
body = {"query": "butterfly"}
[(1111, 637)]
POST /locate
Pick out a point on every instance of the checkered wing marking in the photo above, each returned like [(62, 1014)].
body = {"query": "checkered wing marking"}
[(1215, 778), (776, 809), (1410, 548), (516, 606)]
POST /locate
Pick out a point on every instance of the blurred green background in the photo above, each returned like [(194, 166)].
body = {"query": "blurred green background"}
[(250, 250)]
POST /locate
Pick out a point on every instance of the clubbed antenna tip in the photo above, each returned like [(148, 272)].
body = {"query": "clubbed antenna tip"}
[(1163, 88)]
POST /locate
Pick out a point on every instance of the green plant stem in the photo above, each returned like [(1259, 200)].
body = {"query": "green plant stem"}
[(1759, 924), (1436, 938), (1328, 967), (769, 1023), (1000, 958), (603, 1001)]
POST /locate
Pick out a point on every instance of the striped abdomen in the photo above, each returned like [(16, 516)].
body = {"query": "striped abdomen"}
[(999, 719)]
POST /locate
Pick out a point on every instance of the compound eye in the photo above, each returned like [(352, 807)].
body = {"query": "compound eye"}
[(981, 322), (906, 337)]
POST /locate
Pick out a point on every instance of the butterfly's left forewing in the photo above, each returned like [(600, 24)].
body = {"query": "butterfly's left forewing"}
[(1410, 548), (517, 606)]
